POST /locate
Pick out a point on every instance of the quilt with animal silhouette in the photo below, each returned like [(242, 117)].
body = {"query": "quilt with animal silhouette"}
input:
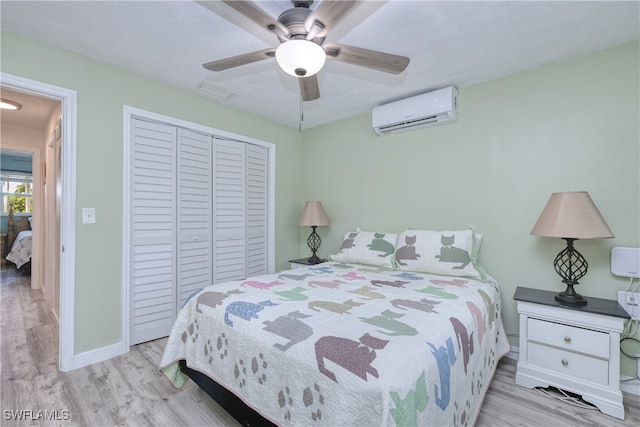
[(345, 345)]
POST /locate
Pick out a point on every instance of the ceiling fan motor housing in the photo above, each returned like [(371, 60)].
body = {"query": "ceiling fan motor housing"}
[(295, 21)]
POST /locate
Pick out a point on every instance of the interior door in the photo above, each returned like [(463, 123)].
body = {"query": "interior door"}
[(194, 213), (229, 211), (153, 230)]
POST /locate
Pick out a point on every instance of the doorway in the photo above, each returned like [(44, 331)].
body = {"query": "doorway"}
[(65, 193)]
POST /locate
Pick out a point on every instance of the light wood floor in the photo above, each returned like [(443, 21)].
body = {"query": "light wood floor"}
[(129, 390)]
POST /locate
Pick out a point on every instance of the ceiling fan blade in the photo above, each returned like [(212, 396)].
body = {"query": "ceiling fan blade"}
[(236, 61), (309, 88), (386, 62), (329, 13), (257, 15)]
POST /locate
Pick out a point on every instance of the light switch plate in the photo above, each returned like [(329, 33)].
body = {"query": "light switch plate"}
[(88, 215)]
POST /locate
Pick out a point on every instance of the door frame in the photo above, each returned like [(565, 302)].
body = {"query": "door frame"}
[(131, 113), (68, 98)]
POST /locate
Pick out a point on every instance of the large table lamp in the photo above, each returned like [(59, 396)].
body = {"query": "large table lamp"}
[(313, 215), (571, 216)]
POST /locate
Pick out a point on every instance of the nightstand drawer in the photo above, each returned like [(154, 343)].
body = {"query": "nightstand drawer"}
[(568, 363), (569, 337)]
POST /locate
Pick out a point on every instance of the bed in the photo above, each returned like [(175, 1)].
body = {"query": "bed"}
[(368, 338), (19, 241)]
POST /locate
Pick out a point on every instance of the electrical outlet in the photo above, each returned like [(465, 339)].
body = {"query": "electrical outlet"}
[(630, 301)]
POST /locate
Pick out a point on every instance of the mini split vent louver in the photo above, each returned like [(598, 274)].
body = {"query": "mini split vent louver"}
[(428, 109)]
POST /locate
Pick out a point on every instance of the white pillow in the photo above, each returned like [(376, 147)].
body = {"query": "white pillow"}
[(449, 253), (368, 247)]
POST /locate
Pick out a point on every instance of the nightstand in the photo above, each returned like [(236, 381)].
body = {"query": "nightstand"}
[(303, 262), (572, 348)]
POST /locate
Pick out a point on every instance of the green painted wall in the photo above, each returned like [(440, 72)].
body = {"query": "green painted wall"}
[(571, 125), (568, 126), (102, 91)]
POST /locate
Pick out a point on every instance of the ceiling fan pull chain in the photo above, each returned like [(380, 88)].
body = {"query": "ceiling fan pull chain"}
[(301, 116)]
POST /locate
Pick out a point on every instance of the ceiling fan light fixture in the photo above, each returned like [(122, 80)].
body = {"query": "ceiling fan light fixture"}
[(300, 58), (6, 104)]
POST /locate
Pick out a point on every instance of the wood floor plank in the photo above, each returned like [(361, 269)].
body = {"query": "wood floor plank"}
[(130, 390)]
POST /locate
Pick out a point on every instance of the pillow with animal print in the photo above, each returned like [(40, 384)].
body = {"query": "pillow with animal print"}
[(367, 247), (449, 253)]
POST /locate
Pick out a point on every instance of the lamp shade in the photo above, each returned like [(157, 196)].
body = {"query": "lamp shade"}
[(571, 215), (300, 58), (313, 214)]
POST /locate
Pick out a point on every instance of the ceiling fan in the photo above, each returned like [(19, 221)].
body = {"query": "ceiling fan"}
[(302, 52)]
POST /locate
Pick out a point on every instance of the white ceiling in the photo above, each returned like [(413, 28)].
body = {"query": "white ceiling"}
[(449, 43), (35, 113)]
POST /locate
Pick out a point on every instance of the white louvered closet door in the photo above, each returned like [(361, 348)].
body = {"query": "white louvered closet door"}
[(153, 201), (229, 211), (194, 213), (257, 162)]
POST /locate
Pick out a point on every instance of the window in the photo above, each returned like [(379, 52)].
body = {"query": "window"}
[(17, 188)]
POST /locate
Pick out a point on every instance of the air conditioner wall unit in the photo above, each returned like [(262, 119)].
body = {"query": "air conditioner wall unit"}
[(434, 108)]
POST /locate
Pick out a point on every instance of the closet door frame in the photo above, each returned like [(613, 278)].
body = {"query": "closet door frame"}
[(129, 114)]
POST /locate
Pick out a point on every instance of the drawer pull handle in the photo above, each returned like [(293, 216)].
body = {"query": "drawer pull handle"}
[(565, 362), (567, 340)]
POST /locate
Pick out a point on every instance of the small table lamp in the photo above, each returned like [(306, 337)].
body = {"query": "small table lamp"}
[(571, 216), (313, 215)]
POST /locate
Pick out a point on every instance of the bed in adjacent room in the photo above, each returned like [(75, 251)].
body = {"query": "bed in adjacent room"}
[(19, 240), (395, 330)]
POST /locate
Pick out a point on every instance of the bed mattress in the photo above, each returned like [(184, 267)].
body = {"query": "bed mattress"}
[(345, 344)]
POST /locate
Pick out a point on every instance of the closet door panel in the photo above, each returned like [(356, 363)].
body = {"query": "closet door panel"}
[(194, 213), (229, 213), (257, 209), (153, 230)]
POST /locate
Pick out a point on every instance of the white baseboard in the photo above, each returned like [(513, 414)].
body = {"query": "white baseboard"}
[(98, 355), (514, 353), (632, 387)]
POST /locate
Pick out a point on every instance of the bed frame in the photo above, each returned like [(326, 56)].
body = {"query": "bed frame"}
[(229, 402)]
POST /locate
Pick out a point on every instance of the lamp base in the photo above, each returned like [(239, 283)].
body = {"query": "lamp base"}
[(314, 259), (571, 266), (570, 297)]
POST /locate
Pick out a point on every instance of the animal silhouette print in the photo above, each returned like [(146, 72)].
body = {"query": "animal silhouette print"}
[(406, 410), (325, 284), (394, 283), (450, 253), (290, 327), (437, 292), (351, 355), (478, 319), (367, 293), (261, 285), (408, 275), (378, 244), (352, 275), (348, 243), (295, 294), (445, 357), (465, 340), (388, 320), (290, 276), (423, 305), (212, 299), (245, 310), (408, 251), (334, 306)]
